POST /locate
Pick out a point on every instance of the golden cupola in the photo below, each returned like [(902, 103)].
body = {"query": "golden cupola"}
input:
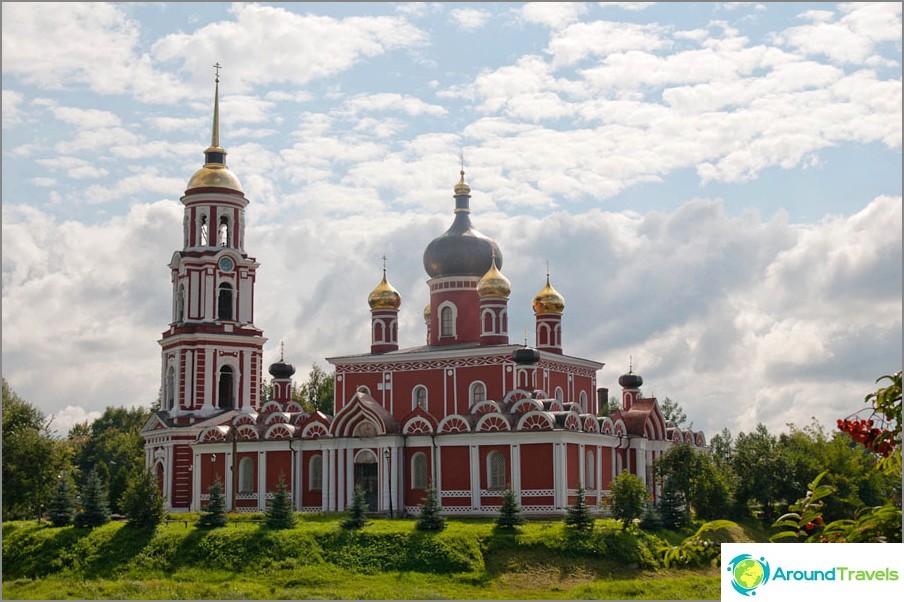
[(549, 300), (214, 173), (493, 285), (427, 313), (384, 296)]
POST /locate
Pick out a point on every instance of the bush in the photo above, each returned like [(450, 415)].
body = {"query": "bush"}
[(215, 514), (629, 496), (142, 501), (510, 512), (95, 511), (280, 514), (430, 519), (356, 518), (578, 516)]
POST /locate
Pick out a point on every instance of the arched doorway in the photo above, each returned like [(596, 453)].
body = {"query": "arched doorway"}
[(366, 476)]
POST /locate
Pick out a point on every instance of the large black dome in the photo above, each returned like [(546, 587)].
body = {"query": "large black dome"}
[(630, 381), (461, 251)]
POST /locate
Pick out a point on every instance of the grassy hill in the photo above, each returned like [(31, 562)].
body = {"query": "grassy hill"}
[(317, 559)]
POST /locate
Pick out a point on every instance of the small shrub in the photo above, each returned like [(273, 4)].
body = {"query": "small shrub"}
[(578, 515), (356, 518), (215, 514), (629, 495), (95, 510), (280, 514), (510, 512), (142, 501), (430, 519)]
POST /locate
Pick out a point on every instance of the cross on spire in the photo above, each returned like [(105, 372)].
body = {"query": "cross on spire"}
[(218, 66), (384, 264), (461, 159), (282, 349)]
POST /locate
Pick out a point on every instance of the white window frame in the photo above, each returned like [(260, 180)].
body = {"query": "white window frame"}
[(472, 389), (497, 475), (419, 478), (315, 473), (414, 395), (448, 305)]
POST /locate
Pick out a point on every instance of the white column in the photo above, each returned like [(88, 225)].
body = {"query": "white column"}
[(209, 381), (168, 481), (331, 492), (261, 480), (383, 472), (515, 453), (349, 477), (227, 477), (599, 472), (581, 467), (438, 470), (556, 471), (325, 481), (340, 494), (394, 479), (641, 463), (195, 483), (475, 477), (244, 401)]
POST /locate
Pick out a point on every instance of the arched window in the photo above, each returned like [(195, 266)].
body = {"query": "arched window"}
[(495, 470), (225, 395), (447, 321), (180, 303), (543, 335), (488, 325), (204, 231), (315, 474), (378, 331), (246, 475), (557, 336), (589, 471), (419, 471), (419, 397), (478, 392), (224, 302), (170, 393), (583, 401), (503, 317), (559, 394), (223, 232)]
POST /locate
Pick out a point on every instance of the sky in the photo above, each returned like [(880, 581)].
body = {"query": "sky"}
[(716, 186)]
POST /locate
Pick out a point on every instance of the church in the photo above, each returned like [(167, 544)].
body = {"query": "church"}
[(469, 412)]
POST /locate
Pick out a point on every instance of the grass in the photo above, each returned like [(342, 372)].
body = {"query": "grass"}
[(317, 559)]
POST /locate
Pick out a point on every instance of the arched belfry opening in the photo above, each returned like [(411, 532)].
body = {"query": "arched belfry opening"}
[(224, 302), (226, 388)]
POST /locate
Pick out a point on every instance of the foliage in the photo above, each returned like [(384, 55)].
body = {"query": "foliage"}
[(673, 412), (214, 514), (113, 444), (95, 510), (356, 518), (280, 513), (142, 501), (629, 496), (578, 515), (701, 548), (32, 457), (510, 512), (430, 519), (672, 507), (710, 495), (61, 508), (316, 393)]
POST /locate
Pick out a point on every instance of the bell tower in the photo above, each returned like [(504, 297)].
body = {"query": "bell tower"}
[(212, 353)]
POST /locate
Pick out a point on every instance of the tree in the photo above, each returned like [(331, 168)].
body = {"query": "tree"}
[(95, 509), (32, 457), (61, 508), (280, 513), (430, 519), (215, 514), (629, 497), (673, 511), (614, 405), (578, 515), (510, 512), (356, 518), (316, 393), (142, 501), (673, 412)]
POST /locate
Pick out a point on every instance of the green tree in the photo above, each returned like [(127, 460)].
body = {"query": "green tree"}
[(674, 413), (430, 519), (113, 440), (629, 498), (142, 501), (95, 509), (578, 514), (280, 513), (356, 518), (61, 508), (214, 514), (710, 495), (32, 457), (510, 512), (316, 393), (761, 471), (673, 510)]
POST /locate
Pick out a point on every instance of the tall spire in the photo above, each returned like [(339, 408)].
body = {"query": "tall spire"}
[(215, 134)]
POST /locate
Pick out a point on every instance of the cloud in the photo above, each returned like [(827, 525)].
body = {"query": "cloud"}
[(12, 107), (409, 105), (470, 19), (69, 416), (265, 45), (554, 15), (600, 38)]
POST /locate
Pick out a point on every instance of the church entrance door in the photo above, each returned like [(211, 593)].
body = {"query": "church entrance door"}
[(366, 477)]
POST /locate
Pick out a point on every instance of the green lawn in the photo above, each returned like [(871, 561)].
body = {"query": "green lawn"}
[(317, 559)]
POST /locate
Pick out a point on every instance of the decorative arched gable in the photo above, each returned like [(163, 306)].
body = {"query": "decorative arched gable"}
[(246, 432), (516, 394), (213, 434), (535, 420), (314, 430), (245, 418), (526, 405), (700, 439), (618, 428), (454, 423), (280, 431), (417, 425), (484, 407), (277, 418), (572, 423), (493, 422), (362, 407), (590, 424), (271, 406), (606, 426), (294, 407)]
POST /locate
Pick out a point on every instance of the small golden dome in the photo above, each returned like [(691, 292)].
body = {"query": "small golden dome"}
[(384, 296), (215, 175), (427, 312), (493, 285), (461, 187), (548, 300)]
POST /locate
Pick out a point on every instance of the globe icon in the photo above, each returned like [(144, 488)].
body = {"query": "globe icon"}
[(749, 573)]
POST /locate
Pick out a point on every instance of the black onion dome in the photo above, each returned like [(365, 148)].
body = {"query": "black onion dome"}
[(281, 369), (630, 381), (461, 251), (526, 356)]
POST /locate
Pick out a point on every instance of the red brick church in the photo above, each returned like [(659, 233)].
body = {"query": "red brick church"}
[(469, 411)]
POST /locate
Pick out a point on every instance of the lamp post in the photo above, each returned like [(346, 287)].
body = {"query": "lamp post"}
[(388, 478)]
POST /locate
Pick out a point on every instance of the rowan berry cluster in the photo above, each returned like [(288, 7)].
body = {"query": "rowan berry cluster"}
[(875, 439)]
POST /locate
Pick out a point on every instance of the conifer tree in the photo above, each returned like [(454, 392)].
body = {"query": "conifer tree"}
[(430, 519), (578, 515), (215, 513), (280, 514), (356, 518), (95, 510), (672, 507), (510, 512), (61, 509), (141, 501)]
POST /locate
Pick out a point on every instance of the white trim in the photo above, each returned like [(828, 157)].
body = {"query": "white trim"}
[(451, 306), (471, 389)]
